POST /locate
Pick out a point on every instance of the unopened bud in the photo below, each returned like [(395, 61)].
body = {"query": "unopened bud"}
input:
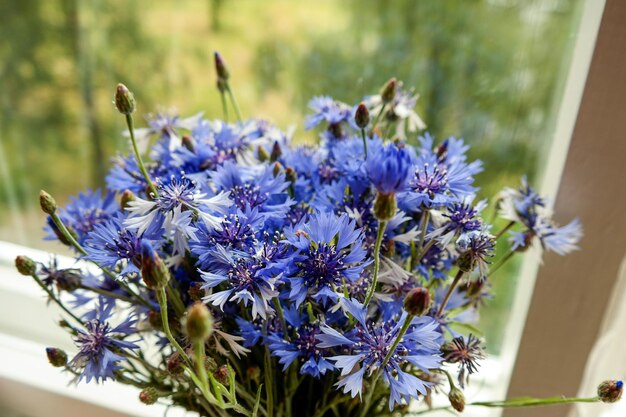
[(127, 197), (149, 395), (222, 375), (278, 168), (254, 373), (47, 203), (154, 318), (291, 174), (417, 301), (276, 152), (199, 323), (220, 67), (610, 391), (56, 357), (388, 92), (457, 399), (189, 143), (153, 270), (262, 154), (362, 116), (124, 100), (25, 265), (385, 206)]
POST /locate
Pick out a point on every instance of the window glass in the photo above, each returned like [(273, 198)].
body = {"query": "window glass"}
[(489, 71)]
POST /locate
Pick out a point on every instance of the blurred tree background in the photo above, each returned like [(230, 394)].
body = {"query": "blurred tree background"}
[(490, 71)]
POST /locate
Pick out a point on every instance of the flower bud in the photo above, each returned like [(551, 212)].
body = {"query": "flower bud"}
[(278, 168), (149, 395), (56, 357), (276, 152), (25, 265), (417, 301), (388, 92), (291, 174), (220, 68), (466, 262), (68, 280), (262, 154), (127, 197), (124, 100), (222, 375), (362, 116), (189, 143), (199, 323), (254, 373), (385, 206), (47, 203), (153, 270), (610, 391), (457, 399)]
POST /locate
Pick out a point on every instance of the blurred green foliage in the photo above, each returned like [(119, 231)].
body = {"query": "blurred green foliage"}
[(490, 71)]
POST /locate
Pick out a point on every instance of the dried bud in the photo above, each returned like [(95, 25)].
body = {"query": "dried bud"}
[(417, 301), (457, 399), (254, 373), (25, 265), (262, 154), (221, 374), (154, 318), (199, 323), (47, 203), (610, 391), (189, 143), (124, 100), (56, 357), (362, 116), (175, 364), (388, 92), (68, 280), (153, 270), (276, 152), (220, 68), (466, 262), (127, 197), (385, 206), (149, 395), (195, 291)]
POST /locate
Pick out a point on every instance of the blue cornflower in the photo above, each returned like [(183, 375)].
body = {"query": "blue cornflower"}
[(327, 109), (99, 346), (461, 217), (85, 211), (388, 167), (370, 343), (475, 248), (171, 212), (111, 243), (329, 251), (254, 189), (240, 278), (524, 205), (302, 344)]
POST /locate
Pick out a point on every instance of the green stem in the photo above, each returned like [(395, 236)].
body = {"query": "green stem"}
[(162, 299), (516, 403), (177, 303), (364, 141), (198, 350), (281, 316), (55, 299), (269, 384), (142, 167), (446, 298), (106, 293), (505, 229), (224, 105), (504, 259), (382, 225), (380, 113), (233, 100)]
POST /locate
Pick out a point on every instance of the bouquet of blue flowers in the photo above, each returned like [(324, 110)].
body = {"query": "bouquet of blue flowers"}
[(231, 272)]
